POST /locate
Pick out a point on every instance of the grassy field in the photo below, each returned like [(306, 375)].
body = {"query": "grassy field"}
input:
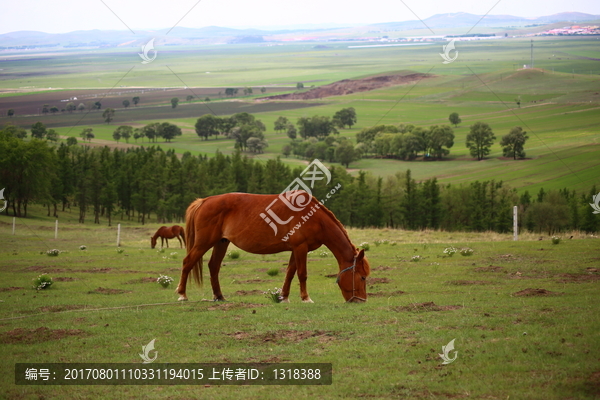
[(523, 315), (559, 101)]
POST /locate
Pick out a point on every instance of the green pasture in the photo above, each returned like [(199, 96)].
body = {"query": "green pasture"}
[(559, 101), (284, 63), (509, 346)]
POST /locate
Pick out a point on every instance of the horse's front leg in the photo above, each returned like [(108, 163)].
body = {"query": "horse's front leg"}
[(289, 276), (214, 265), (300, 255)]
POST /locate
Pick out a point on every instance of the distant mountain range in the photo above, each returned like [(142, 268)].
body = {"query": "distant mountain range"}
[(215, 34)]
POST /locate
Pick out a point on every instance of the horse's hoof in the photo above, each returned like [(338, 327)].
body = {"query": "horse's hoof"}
[(221, 299), (307, 300), (285, 300), (182, 298)]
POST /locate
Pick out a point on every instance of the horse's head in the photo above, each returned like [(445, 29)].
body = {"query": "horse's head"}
[(152, 242), (353, 279)]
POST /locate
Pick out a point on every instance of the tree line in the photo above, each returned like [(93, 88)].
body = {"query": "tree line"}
[(148, 183)]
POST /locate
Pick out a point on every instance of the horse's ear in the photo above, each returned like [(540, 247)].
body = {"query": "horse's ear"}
[(361, 255)]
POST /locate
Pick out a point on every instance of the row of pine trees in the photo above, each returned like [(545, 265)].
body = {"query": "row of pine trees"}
[(150, 184)]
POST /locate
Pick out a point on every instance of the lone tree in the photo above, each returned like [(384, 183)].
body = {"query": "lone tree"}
[(346, 116), (174, 102), (281, 124), (513, 144), (207, 125), (52, 135), (108, 115), (189, 98), (454, 119), (169, 131), (345, 153), (123, 132), (87, 134), (480, 139), (71, 107), (126, 103), (10, 112), (81, 107), (136, 100), (38, 130), (299, 85)]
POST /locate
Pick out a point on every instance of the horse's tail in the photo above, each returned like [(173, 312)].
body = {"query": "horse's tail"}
[(190, 234)]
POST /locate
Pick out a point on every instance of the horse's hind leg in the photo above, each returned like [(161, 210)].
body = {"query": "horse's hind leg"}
[(180, 244), (214, 265), (193, 257)]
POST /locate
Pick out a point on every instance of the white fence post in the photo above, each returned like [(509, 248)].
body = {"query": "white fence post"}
[(515, 224), (14, 223), (118, 235)]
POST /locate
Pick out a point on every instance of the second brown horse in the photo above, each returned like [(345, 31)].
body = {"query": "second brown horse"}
[(166, 233)]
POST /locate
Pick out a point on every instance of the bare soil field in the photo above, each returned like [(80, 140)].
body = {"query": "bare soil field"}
[(31, 104), (349, 86)]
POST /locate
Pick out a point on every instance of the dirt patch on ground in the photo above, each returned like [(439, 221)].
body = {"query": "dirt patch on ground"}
[(349, 86), (102, 290), (465, 282), (529, 292), (47, 269), (289, 336), (381, 268), (147, 279), (95, 270), (578, 278), (331, 276), (41, 334), (248, 292), (60, 308), (375, 281), (506, 258), (252, 281), (386, 294), (10, 289), (491, 268), (427, 306), (63, 279)]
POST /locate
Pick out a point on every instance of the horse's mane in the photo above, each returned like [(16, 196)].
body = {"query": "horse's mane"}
[(335, 220)]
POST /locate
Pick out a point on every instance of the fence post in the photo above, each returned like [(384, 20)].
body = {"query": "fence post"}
[(118, 235), (56, 230), (515, 225), (14, 223)]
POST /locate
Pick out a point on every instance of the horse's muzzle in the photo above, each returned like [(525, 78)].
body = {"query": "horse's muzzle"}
[(355, 299)]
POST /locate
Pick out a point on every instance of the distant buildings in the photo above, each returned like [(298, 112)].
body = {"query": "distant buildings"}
[(574, 30)]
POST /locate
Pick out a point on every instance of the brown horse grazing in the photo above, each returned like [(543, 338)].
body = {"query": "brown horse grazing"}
[(240, 218), (168, 233)]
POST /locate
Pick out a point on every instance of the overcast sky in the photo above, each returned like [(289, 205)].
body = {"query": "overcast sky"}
[(70, 15)]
